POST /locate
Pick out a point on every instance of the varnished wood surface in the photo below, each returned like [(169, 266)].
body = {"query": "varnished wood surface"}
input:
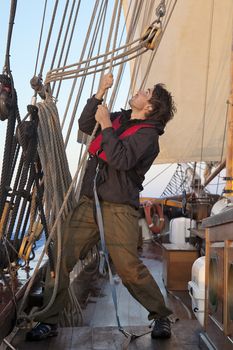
[(219, 219)]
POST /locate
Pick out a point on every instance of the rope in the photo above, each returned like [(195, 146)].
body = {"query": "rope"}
[(137, 62), (132, 27), (52, 232), (41, 32), (206, 86), (59, 34), (78, 97), (164, 25), (94, 13), (77, 73), (156, 176), (10, 30), (65, 41), (48, 38), (223, 142)]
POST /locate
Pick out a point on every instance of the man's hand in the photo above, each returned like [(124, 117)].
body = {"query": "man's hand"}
[(102, 116), (105, 83)]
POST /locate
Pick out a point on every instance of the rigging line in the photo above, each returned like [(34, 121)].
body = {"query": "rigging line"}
[(94, 12), (101, 18), (155, 51), (65, 40), (103, 55), (156, 176), (168, 5), (59, 34), (100, 42), (69, 73), (225, 130), (117, 10), (131, 32), (91, 48), (137, 62), (84, 71), (223, 141), (78, 185), (9, 37), (75, 76), (122, 67), (48, 38), (207, 82), (41, 33), (126, 19)]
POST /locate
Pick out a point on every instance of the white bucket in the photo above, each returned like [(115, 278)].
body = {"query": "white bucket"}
[(196, 289), (180, 230)]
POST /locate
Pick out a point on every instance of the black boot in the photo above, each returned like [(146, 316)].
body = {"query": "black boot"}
[(162, 328), (42, 331)]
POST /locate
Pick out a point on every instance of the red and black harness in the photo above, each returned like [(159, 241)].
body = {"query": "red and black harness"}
[(95, 146), (96, 149)]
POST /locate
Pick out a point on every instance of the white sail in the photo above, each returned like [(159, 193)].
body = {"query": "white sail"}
[(193, 60)]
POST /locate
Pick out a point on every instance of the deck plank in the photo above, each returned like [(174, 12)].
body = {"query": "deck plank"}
[(109, 338)]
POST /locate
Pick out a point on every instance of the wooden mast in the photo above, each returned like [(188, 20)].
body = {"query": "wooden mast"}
[(229, 158)]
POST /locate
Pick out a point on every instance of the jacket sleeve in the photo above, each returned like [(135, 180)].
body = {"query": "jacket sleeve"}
[(127, 153), (87, 119)]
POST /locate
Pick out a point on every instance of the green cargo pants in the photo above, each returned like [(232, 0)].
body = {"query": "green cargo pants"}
[(121, 236)]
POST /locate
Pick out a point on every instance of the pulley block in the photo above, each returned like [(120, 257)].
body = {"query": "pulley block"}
[(26, 132), (153, 33), (6, 103)]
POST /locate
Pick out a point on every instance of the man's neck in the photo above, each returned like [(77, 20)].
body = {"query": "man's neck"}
[(137, 115)]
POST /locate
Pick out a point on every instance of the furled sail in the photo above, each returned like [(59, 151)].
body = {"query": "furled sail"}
[(193, 60)]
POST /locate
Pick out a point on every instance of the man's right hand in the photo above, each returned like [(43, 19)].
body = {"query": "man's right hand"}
[(105, 83)]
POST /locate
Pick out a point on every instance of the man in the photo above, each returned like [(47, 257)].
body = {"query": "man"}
[(123, 150)]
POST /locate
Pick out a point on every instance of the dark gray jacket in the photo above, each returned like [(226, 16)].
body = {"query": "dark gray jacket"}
[(119, 180)]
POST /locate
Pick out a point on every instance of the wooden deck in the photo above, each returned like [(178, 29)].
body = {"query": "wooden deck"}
[(100, 330), (109, 338)]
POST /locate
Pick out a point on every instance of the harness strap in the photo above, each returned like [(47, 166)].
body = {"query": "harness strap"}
[(130, 337), (104, 249), (95, 146)]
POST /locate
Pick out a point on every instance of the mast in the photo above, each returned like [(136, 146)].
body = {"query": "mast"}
[(229, 157)]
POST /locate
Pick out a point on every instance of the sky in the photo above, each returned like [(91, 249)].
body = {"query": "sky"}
[(23, 53)]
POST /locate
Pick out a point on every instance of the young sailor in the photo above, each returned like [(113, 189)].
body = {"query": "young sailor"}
[(123, 150)]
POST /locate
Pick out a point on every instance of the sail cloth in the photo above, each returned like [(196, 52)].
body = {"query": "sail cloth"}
[(193, 61)]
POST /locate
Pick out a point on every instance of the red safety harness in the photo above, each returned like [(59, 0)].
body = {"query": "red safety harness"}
[(95, 146)]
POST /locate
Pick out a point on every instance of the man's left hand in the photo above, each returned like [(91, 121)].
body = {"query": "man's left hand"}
[(102, 116)]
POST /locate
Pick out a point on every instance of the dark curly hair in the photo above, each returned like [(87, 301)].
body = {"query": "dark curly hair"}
[(163, 106)]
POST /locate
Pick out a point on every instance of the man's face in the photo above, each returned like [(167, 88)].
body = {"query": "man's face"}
[(141, 99)]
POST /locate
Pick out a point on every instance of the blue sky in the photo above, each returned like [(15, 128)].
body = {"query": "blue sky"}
[(23, 51)]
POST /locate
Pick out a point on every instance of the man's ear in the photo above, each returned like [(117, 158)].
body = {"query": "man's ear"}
[(148, 108)]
